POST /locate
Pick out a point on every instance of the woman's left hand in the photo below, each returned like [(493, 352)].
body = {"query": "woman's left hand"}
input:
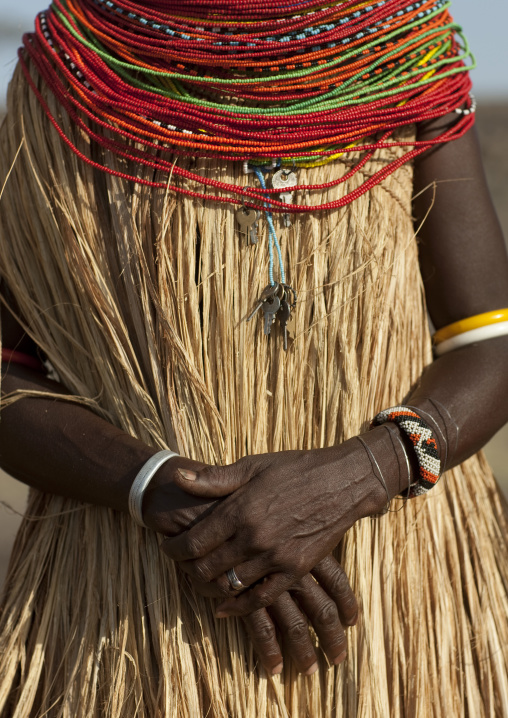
[(324, 601), (285, 512)]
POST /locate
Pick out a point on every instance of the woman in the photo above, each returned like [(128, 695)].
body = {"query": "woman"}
[(138, 296)]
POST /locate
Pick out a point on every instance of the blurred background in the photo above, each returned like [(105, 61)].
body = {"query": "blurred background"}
[(485, 25)]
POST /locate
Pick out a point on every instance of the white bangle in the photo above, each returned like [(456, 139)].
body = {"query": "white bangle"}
[(489, 331), (143, 478)]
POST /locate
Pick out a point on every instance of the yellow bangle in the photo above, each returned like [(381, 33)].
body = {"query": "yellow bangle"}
[(466, 325)]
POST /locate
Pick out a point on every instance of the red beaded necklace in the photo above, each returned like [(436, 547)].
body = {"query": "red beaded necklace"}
[(260, 82)]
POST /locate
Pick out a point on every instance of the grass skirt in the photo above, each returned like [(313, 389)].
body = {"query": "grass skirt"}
[(138, 299)]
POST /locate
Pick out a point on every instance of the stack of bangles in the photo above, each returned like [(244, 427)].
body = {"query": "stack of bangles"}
[(471, 330), (420, 435)]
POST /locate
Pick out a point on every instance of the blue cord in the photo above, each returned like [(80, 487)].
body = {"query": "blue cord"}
[(273, 234)]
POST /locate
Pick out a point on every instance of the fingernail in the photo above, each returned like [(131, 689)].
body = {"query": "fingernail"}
[(221, 614), (339, 658), (187, 475), (354, 620), (312, 669), (277, 669)]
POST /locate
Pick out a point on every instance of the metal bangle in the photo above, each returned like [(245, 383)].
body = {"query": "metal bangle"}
[(449, 451), (143, 478), (395, 433), (380, 478)]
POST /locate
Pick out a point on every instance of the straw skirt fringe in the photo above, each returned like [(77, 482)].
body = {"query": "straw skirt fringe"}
[(139, 298)]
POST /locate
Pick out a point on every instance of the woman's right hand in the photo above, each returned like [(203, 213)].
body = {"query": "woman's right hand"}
[(323, 598)]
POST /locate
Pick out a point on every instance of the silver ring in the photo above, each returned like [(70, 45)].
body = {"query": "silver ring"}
[(234, 581)]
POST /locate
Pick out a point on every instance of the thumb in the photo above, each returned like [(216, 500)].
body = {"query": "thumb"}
[(213, 482)]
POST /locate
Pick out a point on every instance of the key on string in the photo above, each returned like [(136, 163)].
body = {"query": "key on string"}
[(284, 318), (270, 308), (288, 303), (267, 293), (290, 295), (248, 221), (284, 180)]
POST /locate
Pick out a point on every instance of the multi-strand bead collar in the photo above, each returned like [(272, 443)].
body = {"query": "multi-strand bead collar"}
[(264, 82)]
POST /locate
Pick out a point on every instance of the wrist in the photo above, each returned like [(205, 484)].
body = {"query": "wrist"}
[(143, 479), (158, 495), (398, 483), (131, 455), (165, 507), (390, 468)]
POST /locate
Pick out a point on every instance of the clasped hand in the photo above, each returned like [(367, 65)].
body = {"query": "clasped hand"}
[(275, 518), (283, 513)]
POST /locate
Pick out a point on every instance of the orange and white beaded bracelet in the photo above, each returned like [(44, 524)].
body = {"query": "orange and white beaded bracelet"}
[(423, 442)]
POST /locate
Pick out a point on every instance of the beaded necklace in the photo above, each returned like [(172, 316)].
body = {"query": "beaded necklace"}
[(274, 85), (248, 81)]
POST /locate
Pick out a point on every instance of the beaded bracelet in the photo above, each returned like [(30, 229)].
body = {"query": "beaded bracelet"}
[(423, 442)]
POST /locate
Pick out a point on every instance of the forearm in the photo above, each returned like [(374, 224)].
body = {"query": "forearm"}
[(465, 271), (64, 448), (466, 394)]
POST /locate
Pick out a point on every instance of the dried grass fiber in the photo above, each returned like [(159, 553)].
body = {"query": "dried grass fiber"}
[(145, 324)]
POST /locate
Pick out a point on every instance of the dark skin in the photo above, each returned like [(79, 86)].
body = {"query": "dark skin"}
[(278, 516)]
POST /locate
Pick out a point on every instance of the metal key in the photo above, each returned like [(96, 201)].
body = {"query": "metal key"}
[(284, 181), (284, 318), (286, 197), (248, 221), (290, 295), (267, 293), (270, 308)]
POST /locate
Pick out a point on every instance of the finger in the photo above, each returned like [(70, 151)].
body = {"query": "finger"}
[(214, 589), (294, 631), (216, 481), (247, 573), (202, 538), (331, 576), (322, 613), (262, 633), (215, 565), (261, 595)]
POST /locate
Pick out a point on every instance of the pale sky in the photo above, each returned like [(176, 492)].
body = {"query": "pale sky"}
[(485, 23)]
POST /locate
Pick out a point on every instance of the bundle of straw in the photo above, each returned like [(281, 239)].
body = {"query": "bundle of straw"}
[(139, 300)]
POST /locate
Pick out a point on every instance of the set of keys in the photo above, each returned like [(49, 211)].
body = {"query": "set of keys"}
[(277, 301)]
